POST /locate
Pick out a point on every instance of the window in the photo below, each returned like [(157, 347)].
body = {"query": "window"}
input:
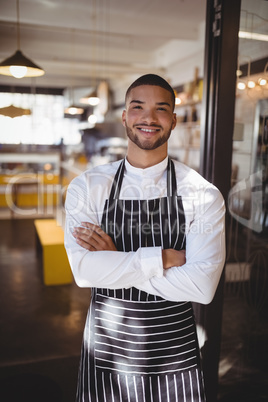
[(46, 125)]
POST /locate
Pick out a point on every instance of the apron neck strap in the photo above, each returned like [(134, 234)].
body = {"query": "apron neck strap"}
[(171, 179), (117, 182), (118, 178)]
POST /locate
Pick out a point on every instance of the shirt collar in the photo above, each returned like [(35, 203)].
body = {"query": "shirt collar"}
[(147, 172)]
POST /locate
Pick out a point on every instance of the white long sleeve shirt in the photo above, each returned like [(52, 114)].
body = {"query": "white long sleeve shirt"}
[(204, 210)]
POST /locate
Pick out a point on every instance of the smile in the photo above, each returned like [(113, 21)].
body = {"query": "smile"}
[(148, 130)]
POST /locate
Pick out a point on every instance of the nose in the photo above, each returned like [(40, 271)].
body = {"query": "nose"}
[(149, 116)]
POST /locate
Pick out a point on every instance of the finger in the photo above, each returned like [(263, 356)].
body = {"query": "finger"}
[(85, 245), (91, 226), (96, 228), (98, 235), (90, 237), (91, 244), (87, 236), (94, 236), (85, 232)]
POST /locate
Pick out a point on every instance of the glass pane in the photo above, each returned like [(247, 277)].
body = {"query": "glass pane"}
[(44, 125), (244, 351)]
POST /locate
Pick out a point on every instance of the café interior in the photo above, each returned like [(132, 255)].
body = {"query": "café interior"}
[(61, 115)]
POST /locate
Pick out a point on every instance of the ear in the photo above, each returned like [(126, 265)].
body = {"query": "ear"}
[(124, 118), (174, 121)]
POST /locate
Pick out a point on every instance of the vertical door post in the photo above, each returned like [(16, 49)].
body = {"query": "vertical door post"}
[(217, 123)]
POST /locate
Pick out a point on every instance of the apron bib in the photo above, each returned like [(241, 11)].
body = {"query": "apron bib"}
[(137, 346)]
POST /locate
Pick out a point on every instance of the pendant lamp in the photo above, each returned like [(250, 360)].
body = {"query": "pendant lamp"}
[(14, 111), (92, 99), (72, 110), (18, 65)]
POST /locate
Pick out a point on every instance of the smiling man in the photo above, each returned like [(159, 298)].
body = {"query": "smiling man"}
[(149, 118), (147, 235)]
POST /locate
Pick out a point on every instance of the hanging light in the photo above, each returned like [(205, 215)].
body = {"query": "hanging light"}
[(241, 85), (262, 81), (73, 110), (92, 99), (18, 65), (251, 84), (14, 111)]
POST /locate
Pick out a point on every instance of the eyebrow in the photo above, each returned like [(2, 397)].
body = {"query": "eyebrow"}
[(157, 103), (163, 103)]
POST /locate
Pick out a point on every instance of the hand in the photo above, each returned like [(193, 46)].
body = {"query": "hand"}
[(173, 258), (93, 238)]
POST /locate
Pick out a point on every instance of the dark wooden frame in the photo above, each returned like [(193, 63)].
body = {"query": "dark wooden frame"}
[(217, 124)]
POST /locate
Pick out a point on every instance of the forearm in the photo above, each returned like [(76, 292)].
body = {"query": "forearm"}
[(187, 283), (198, 278), (95, 262), (113, 269)]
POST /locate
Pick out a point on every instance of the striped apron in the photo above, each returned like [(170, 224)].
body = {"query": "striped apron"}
[(139, 347)]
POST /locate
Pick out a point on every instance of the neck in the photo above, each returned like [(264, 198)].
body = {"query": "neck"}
[(143, 159)]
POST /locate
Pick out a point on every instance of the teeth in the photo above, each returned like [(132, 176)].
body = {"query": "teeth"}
[(147, 130)]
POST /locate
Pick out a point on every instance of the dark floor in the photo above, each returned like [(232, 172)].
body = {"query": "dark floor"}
[(41, 331), (41, 326), (243, 372)]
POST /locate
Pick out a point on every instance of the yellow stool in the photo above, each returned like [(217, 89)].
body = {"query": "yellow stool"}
[(50, 238)]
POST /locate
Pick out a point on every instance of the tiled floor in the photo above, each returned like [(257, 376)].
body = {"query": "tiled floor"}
[(41, 332)]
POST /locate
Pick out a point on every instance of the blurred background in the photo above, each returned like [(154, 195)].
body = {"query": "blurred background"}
[(63, 115)]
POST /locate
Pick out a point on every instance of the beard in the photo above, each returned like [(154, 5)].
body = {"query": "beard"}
[(147, 145)]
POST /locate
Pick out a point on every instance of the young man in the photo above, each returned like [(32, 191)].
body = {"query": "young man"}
[(147, 235)]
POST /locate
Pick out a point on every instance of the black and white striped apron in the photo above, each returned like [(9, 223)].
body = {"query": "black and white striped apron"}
[(139, 347)]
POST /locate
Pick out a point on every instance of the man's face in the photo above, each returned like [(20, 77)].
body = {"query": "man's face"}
[(149, 117)]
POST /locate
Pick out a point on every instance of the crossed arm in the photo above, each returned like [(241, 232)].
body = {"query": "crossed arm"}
[(170, 274), (91, 237)]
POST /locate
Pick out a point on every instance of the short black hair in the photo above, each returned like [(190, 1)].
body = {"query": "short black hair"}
[(152, 79)]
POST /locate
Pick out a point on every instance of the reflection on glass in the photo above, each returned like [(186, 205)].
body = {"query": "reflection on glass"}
[(245, 319)]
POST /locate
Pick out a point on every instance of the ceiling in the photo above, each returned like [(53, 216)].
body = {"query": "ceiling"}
[(82, 41)]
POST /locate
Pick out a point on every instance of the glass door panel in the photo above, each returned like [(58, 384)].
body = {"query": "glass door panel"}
[(243, 371)]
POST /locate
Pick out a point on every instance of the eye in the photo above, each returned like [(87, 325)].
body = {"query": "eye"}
[(137, 107), (162, 109)]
